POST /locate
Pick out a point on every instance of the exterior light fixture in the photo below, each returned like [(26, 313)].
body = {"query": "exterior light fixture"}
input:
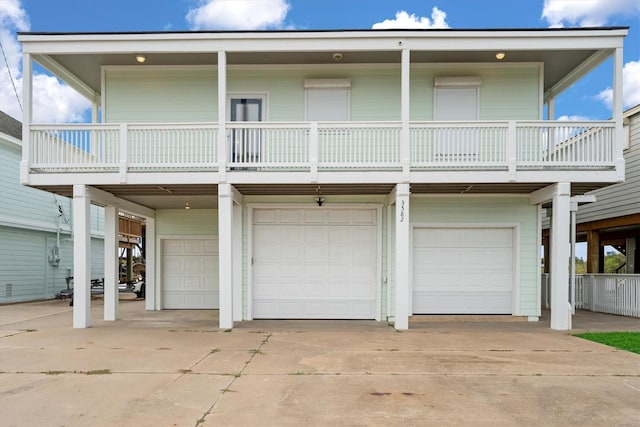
[(500, 55), (337, 57), (187, 206), (140, 59), (319, 200)]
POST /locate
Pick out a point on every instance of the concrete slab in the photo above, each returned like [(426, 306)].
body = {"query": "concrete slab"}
[(176, 368)]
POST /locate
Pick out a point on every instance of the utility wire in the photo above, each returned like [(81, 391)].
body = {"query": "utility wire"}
[(11, 76)]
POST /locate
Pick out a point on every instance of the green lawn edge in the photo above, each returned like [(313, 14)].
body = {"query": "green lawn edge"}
[(628, 341)]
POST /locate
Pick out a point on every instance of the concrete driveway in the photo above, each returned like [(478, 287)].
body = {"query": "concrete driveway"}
[(175, 368)]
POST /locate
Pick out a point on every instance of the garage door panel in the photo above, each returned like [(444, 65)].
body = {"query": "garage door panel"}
[(463, 270), (190, 273), (330, 272)]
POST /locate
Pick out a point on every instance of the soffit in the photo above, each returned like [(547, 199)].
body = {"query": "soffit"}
[(87, 67)]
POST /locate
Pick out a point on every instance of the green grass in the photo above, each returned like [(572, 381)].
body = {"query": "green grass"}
[(629, 341)]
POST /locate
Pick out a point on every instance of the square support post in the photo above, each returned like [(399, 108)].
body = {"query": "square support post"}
[(225, 255), (151, 300), (81, 257), (237, 261), (111, 262), (560, 225), (403, 257)]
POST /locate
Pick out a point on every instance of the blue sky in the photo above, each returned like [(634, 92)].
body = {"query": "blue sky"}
[(587, 99)]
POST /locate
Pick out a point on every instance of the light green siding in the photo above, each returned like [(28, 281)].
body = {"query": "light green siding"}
[(182, 222), (161, 94), (507, 92), (374, 93), (180, 94), (487, 210)]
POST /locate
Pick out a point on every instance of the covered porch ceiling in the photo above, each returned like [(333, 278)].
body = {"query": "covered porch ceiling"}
[(567, 54), (205, 196)]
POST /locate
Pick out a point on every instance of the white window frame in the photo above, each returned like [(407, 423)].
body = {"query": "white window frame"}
[(320, 84)]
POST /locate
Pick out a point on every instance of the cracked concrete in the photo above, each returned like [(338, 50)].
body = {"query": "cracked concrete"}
[(176, 368)]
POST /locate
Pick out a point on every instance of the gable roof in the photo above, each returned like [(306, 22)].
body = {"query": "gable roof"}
[(10, 126)]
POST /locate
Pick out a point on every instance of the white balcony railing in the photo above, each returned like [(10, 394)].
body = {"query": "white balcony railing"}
[(124, 148)]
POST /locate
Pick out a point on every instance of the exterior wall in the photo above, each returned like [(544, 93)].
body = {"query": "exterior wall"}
[(28, 236), (619, 199), (507, 92), (485, 210), (306, 200), (180, 94), (160, 94)]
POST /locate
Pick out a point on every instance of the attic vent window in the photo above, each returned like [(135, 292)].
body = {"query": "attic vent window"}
[(327, 83), (457, 81)]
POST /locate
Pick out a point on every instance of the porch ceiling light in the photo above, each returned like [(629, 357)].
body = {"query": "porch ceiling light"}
[(140, 58), (500, 55), (187, 206)]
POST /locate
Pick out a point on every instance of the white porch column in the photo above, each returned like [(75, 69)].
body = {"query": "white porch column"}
[(559, 246), (617, 107), (225, 255), (222, 115), (111, 267), (403, 257), (81, 257), (237, 261), (151, 301), (27, 103), (405, 112)]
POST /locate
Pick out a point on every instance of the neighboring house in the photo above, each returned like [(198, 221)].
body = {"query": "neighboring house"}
[(36, 248), (328, 174), (614, 219)]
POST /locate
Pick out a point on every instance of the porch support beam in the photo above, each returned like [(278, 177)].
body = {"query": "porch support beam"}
[(405, 112), (111, 267), (593, 251), (222, 116), (403, 256), (225, 255), (151, 299), (27, 103), (560, 307), (81, 257), (617, 105), (237, 255)]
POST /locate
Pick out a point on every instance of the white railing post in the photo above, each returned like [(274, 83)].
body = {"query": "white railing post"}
[(405, 111), (592, 288), (313, 152), (124, 155), (511, 150)]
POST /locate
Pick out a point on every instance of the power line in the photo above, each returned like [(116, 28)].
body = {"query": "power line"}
[(15, 90)]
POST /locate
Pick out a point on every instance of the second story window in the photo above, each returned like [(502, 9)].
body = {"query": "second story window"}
[(327, 100)]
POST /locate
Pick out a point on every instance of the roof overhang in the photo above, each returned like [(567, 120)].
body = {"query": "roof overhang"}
[(566, 54)]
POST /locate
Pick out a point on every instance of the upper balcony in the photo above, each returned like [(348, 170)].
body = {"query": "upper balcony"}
[(324, 107), (316, 147)]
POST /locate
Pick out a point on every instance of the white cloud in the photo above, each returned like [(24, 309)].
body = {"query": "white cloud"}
[(630, 87), (586, 13), (53, 101), (573, 119), (238, 14), (405, 21)]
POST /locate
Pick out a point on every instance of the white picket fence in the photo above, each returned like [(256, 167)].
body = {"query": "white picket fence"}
[(603, 293)]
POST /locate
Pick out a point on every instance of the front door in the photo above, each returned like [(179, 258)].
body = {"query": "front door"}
[(246, 142)]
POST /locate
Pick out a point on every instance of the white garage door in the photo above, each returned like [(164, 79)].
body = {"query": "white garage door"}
[(316, 263), (462, 270), (190, 273)]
